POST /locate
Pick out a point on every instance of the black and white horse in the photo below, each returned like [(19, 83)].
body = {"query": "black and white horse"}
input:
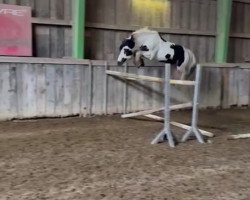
[(145, 43)]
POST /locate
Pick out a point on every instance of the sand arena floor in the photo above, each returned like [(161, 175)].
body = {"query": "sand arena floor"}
[(111, 158)]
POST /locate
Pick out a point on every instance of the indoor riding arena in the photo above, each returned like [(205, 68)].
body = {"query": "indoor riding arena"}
[(74, 125)]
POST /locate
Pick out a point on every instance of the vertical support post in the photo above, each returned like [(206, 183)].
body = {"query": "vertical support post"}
[(90, 88), (105, 87), (78, 28), (166, 132), (194, 128), (125, 91), (224, 8)]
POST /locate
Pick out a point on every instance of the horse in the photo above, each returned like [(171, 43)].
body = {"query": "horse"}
[(146, 43)]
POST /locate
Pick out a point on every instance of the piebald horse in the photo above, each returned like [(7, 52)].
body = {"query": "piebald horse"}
[(145, 43)]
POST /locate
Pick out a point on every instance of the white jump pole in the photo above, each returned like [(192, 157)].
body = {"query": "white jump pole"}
[(166, 132)]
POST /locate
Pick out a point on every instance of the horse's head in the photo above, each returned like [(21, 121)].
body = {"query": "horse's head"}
[(127, 49)]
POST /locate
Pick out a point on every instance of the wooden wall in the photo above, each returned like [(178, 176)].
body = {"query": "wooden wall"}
[(38, 87), (53, 88), (189, 22)]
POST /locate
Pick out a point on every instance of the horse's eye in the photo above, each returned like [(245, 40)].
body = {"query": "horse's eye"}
[(128, 52)]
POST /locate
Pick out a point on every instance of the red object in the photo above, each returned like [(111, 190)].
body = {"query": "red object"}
[(15, 30)]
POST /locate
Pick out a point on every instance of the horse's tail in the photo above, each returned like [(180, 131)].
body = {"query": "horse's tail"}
[(189, 64)]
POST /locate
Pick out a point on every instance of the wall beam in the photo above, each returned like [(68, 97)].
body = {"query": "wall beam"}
[(78, 28), (224, 8)]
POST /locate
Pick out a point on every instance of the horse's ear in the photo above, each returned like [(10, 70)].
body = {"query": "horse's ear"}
[(131, 42), (132, 38)]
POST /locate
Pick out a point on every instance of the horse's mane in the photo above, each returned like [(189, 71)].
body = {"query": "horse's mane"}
[(144, 30)]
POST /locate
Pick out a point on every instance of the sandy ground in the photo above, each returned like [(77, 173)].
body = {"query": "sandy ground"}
[(111, 158)]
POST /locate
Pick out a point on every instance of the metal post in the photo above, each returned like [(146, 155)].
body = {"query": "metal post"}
[(194, 128), (78, 28), (166, 132)]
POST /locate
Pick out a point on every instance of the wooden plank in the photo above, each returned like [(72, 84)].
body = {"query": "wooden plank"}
[(175, 14), (59, 90), (12, 92), (42, 42), (42, 9), (8, 103), (246, 18), (76, 89), (185, 14), (225, 88), (233, 88), (68, 30), (50, 90), (98, 92), (204, 15), (90, 88), (211, 88), (243, 77), (194, 15), (56, 33), (133, 92), (29, 84), (212, 9), (68, 43), (166, 15), (109, 47), (41, 90), (239, 18), (85, 90), (19, 88), (135, 18), (56, 43), (115, 94), (109, 16), (97, 41), (68, 76), (99, 11)]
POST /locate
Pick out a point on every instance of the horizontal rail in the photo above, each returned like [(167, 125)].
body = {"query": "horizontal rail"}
[(71, 61), (65, 61), (239, 136), (146, 112), (226, 65), (147, 78), (130, 28), (51, 22)]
